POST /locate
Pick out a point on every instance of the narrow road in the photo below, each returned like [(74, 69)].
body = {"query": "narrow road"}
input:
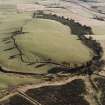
[(48, 83)]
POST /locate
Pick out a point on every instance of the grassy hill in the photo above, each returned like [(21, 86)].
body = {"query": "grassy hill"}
[(49, 39), (44, 39)]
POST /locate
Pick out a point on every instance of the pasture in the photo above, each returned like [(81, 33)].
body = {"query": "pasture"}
[(43, 39)]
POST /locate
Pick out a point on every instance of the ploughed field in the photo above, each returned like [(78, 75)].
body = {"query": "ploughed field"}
[(71, 93), (17, 100)]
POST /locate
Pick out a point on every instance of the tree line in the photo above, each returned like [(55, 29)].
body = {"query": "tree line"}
[(76, 27)]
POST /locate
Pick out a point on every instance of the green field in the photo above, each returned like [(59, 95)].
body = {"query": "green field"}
[(44, 39), (12, 81), (49, 39)]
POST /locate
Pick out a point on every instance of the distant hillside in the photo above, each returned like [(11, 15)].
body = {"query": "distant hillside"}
[(92, 0)]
